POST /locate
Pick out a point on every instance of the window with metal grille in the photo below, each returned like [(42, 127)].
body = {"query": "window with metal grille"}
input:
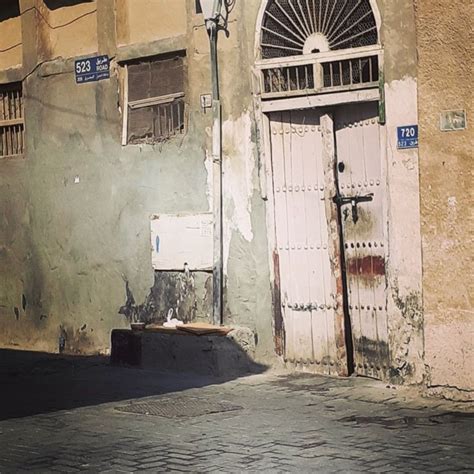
[(12, 124), (320, 75), (351, 72), (295, 27), (154, 99), (289, 79)]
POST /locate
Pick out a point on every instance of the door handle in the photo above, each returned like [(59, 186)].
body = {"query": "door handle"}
[(353, 201)]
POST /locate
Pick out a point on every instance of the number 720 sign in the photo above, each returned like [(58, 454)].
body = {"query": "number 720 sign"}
[(92, 69), (407, 137)]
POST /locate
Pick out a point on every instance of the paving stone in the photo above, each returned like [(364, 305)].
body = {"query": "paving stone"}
[(288, 423), (151, 464)]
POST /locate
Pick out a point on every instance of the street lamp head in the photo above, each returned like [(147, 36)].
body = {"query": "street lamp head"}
[(211, 9)]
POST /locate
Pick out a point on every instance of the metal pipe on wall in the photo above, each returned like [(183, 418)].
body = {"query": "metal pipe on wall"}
[(218, 268)]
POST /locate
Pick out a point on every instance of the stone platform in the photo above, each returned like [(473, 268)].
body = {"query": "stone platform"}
[(217, 355)]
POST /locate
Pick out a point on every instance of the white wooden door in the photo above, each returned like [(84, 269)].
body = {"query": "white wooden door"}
[(360, 174), (329, 198), (308, 287)]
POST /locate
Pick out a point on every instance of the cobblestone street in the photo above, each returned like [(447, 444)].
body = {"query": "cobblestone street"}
[(71, 414)]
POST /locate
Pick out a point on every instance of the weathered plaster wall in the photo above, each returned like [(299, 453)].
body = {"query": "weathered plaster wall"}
[(445, 83), (76, 210), (75, 230), (405, 316), (247, 298), (10, 35), (140, 21), (88, 206)]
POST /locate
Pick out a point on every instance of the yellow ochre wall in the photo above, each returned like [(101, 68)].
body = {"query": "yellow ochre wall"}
[(10, 42), (67, 31), (140, 21), (445, 83)]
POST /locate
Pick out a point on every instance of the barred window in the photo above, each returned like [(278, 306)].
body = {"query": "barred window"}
[(154, 99), (12, 124)]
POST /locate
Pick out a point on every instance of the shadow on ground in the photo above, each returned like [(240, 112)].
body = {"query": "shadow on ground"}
[(34, 382)]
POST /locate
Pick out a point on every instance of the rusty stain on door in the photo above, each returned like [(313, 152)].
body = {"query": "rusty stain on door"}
[(366, 267), (361, 183)]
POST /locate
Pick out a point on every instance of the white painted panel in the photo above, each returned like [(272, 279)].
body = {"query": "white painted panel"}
[(299, 159), (177, 240), (288, 286), (323, 322), (320, 286), (302, 240)]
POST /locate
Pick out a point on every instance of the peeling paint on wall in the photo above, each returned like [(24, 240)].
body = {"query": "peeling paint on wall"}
[(75, 340), (405, 313), (238, 169), (188, 294), (208, 166), (406, 335), (67, 247)]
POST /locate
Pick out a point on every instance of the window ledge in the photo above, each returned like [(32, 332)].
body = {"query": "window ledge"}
[(154, 48), (12, 157), (13, 74)]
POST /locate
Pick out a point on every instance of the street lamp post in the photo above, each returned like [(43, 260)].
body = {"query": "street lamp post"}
[(212, 14)]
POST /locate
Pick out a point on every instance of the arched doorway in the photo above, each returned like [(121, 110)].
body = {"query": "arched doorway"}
[(292, 27), (319, 68)]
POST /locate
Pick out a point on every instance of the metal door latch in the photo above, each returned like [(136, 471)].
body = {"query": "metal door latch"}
[(353, 201)]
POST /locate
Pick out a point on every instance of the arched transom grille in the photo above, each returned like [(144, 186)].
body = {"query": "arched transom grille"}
[(293, 27)]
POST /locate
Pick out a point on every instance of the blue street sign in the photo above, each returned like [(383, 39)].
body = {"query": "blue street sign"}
[(407, 137), (92, 69)]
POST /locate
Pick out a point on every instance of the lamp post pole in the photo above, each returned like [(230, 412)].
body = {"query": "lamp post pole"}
[(212, 26)]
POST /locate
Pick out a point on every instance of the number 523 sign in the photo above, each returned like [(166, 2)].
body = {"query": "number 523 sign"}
[(92, 69), (407, 137)]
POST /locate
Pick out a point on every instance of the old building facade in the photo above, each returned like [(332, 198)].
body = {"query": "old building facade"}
[(107, 185)]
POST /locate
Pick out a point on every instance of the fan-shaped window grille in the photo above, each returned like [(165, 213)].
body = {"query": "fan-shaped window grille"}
[(293, 27)]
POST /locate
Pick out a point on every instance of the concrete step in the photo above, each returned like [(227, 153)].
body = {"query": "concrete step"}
[(215, 355)]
